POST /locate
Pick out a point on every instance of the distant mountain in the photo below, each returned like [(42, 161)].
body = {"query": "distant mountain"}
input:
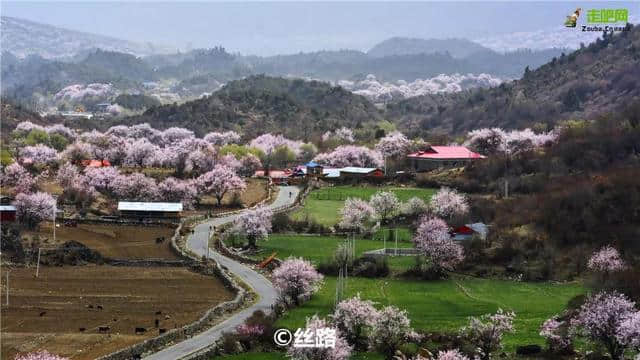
[(23, 38), (599, 78), (457, 48), (259, 104)]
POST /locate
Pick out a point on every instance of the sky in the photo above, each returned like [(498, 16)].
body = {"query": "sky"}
[(268, 28)]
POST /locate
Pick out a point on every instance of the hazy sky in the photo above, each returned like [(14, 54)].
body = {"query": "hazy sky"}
[(267, 28)]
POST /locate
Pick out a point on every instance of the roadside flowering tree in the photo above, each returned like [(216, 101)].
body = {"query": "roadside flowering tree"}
[(606, 260), (454, 354), (175, 190), (391, 329), (40, 355), (486, 332), (385, 204), (354, 318), (350, 155), (39, 154), (356, 214), (222, 138), (449, 204), (340, 350), (296, 279), (220, 181), (600, 319), (414, 207), (275, 148), (393, 145), (254, 224), (556, 332), (31, 209), (434, 242)]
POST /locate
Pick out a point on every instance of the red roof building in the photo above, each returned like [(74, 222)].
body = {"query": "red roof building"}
[(442, 156)]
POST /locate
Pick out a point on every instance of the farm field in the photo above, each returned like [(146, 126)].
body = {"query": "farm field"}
[(48, 312), (255, 192), (445, 305), (323, 205), (110, 240)]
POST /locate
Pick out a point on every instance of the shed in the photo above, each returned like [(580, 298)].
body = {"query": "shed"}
[(466, 232), (314, 169), (7, 213), (149, 209), (361, 172)]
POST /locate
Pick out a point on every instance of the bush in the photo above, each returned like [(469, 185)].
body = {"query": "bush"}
[(371, 267)]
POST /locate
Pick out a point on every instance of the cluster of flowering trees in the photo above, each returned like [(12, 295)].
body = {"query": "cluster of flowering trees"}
[(393, 145), (359, 215), (495, 140), (609, 319), (222, 138), (342, 135), (295, 280), (433, 240), (486, 332), (449, 204), (33, 208), (254, 224), (350, 155), (606, 260), (340, 350)]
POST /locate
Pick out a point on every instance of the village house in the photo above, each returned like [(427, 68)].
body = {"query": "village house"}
[(442, 157)]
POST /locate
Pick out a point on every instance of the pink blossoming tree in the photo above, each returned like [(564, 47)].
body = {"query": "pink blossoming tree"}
[(606, 260), (385, 204), (354, 318), (600, 319), (254, 224), (449, 204), (19, 178), (249, 164), (391, 329), (102, 179), (454, 354), (414, 207), (486, 332), (39, 154), (357, 215), (175, 190), (340, 350), (222, 138), (220, 181), (135, 187), (393, 145), (434, 242), (350, 155), (39, 355), (31, 209), (296, 279), (556, 332)]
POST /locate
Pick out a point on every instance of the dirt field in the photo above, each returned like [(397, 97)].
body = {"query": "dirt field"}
[(255, 192), (113, 241), (48, 312)]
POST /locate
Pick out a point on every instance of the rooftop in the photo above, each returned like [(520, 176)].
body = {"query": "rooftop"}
[(149, 206), (446, 152)]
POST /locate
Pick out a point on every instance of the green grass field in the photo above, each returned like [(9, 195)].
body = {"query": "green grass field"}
[(446, 305), (323, 205)]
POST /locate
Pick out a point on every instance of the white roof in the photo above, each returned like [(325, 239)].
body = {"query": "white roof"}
[(359, 170), (149, 206), (7, 208)]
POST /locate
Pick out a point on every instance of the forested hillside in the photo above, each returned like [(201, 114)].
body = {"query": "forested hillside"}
[(260, 104), (595, 79)]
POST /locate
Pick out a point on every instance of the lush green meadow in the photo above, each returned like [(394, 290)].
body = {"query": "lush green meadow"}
[(446, 305), (323, 205)]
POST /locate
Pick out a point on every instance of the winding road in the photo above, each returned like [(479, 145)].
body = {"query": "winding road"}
[(198, 243)]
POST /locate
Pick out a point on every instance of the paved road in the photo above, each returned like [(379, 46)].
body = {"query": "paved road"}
[(198, 243)]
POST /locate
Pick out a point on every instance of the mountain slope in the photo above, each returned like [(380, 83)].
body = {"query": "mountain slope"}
[(593, 80), (458, 48), (23, 37), (259, 104)]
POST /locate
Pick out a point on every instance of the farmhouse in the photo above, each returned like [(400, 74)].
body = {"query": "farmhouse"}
[(442, 156), (149, 209), (7, 213), (466, 232)]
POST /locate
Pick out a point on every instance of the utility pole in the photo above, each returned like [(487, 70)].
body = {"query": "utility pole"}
[(7, 285), (38, 265), (506, 188)]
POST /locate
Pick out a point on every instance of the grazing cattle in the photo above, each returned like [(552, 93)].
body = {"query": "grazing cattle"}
[(43, 313), (162, 331), (103, 329), (89, 306), (82, 329), (99, 307), (141, 330), (158, 312)]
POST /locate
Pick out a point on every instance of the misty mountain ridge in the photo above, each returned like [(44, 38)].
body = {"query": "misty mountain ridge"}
[(457, 48)]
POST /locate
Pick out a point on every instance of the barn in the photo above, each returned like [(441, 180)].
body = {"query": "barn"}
[(149, 209)]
